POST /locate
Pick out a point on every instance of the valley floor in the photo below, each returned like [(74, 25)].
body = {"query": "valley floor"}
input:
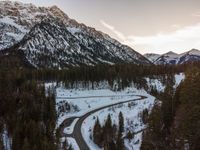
[(74, 104), (88, 100)]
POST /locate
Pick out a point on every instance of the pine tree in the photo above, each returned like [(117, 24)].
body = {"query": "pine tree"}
[(26, 145), (108, 133), (167, 106), (70, 148), (120, 140), (97, 133), (65, 144), (121, 122), (108, 125), (129, 135)]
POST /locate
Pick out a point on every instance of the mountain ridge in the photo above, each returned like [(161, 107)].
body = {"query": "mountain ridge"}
[(174, 58), (51, 39)]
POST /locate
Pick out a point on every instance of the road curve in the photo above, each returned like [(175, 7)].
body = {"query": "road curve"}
[(77, 135)]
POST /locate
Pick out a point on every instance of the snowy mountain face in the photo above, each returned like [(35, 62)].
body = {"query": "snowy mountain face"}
[(16, 19), (151, 56), (49, 38), (168, 58), (173, 58), (192, 55)]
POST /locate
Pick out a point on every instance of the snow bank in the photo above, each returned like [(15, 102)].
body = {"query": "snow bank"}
[(7, 141), (70, 142), (70, 129), (73, 143)]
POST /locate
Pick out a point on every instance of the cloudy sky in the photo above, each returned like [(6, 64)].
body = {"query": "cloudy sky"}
[(156, 26)]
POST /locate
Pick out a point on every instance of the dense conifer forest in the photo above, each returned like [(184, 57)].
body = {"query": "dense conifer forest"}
[(27, 110), (175, 124), (27, 113)]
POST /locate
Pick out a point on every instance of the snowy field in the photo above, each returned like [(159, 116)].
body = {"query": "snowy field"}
[(87, 100)]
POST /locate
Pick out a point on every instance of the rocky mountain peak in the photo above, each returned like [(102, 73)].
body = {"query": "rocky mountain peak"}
[(58, 13), (171, 53), (194, 52)]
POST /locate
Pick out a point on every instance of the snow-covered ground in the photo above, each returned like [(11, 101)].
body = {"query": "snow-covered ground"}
[(155, 83), (132, 119), (178, 79), (87, 100), (69, 130), (160, 87), (81, 100), (7, 141), (72, 142)]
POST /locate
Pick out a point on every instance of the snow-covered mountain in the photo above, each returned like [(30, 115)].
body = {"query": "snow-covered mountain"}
[(192, 55), (173, 58), (49, 38), (151, 56), (167, 58)]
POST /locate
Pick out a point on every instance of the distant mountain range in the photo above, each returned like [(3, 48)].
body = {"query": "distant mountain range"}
[(46, 37), (174, 58)]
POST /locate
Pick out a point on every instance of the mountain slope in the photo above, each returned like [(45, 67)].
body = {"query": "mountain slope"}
[(62, 48), (49, 38)]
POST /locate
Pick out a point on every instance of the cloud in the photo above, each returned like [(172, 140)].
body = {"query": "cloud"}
[(186, 36), (112, 28), (181, 39), (107, 25), (197, 14), (176, 26)]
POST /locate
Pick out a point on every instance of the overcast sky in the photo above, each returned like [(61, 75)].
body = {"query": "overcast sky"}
[(147, 26)]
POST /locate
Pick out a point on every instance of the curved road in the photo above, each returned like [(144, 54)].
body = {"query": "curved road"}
[(77, 135)]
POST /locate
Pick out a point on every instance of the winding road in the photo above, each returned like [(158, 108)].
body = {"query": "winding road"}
[(76, 134)]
